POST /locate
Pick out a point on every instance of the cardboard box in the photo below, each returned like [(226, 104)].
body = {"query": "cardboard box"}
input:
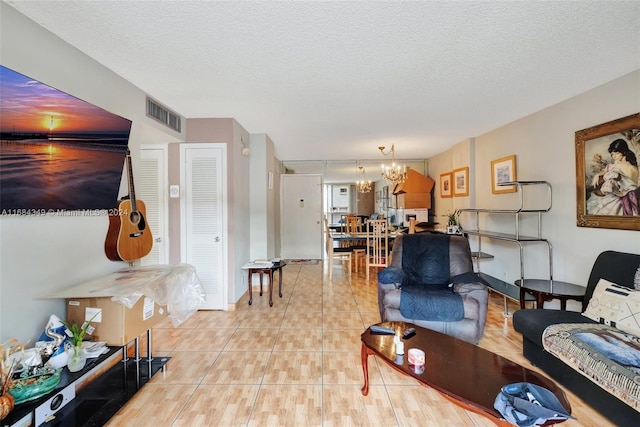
[(115, 323), (415, 183), (414, 200)]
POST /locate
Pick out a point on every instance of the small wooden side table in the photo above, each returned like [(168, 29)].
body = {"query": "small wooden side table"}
[(546, 290), (277, 266)]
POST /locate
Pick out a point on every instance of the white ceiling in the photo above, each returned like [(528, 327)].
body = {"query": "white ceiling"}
[(335, 80)]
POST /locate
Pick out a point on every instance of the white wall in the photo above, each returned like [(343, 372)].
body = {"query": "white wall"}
[(544, 145), (39, 255)]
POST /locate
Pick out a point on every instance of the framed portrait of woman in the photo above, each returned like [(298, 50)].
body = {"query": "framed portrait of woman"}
[(607, 174)]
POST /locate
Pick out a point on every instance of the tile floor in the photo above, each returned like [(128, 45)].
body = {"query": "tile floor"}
[(298, 363)]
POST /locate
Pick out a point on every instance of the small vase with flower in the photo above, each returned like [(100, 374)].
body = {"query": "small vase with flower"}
[(74, 348)]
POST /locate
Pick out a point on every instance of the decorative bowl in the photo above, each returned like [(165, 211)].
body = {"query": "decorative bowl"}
[(24, 389)]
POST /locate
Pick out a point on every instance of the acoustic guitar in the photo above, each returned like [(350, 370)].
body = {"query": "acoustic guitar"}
[(128, 237)]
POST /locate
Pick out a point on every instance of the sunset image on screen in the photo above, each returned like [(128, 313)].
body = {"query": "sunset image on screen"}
[(56, 151)]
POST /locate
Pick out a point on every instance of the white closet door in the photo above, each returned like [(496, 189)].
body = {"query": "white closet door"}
[(152, 190), (203, 221)]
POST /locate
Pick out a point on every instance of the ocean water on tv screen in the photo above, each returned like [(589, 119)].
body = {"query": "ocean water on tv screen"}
[(57, 153)]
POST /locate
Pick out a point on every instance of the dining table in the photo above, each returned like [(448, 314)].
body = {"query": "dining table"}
[(341, 236), (359, 238)]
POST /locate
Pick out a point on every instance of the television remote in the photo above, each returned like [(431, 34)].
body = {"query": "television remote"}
[(408, 333), (376, 329)]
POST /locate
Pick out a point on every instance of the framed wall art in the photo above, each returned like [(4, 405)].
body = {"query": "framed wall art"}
[(607, 174), (503, 170), (385, 198), (460, 181), (445, 185)]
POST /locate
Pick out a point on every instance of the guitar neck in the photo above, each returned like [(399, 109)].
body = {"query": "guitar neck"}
[(132, 192)]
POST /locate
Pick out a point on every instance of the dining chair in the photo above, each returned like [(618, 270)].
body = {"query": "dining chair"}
[(340, 253), (377, 244), (343, 222), (359, 248)]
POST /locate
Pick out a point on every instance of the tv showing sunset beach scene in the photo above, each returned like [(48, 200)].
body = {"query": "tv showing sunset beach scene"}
[(57, 152)]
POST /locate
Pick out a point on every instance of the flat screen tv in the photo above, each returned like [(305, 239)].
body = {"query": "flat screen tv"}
[(57, 153)]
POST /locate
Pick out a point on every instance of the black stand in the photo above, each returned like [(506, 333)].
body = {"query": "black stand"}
[(98, 395)]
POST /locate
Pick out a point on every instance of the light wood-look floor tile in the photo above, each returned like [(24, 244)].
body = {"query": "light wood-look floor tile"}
[(304, 305), (302, 321), (303, 339), (238, 367), (167, 339), (185, 367), (372, 410), (370, 317), (342, 320), (498, 343), (218, 405), (342, 340), (340, 291), (417, 405), (287, 405), (205, 339), (298, 363), (342, 368), (154, 405), (299, 367), (210, 319), (392, 377), (330, 304), (261, 339), (263, 318), (367, 304)]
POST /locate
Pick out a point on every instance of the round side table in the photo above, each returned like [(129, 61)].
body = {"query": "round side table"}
[(546, 290)]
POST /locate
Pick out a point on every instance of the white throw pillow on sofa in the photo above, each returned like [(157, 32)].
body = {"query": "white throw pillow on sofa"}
[(616, 306)]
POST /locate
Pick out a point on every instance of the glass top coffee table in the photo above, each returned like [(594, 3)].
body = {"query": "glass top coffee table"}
[(466, 374)]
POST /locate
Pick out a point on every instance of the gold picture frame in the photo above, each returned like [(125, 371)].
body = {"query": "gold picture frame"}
[(460, 181), (503, 170), (607, 191), (445, 185)]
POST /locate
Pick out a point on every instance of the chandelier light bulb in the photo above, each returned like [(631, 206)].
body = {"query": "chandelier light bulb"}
[(363, 186), (394, 174)]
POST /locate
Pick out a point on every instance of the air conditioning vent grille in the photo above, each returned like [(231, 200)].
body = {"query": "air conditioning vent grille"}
[(164, 115)]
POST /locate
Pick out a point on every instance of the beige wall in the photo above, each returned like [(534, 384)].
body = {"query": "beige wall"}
[(544, 145), (230, 132)]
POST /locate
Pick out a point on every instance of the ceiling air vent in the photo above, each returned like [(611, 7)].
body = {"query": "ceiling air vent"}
[(163, 115)]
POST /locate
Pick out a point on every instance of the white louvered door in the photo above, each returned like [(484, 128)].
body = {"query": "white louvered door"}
[(152, 190), (203, 224)]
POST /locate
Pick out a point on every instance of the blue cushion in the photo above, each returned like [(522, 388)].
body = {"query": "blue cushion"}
[(392, 275), (425, 258)]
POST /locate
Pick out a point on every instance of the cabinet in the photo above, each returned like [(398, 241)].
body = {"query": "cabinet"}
[(471, 220)]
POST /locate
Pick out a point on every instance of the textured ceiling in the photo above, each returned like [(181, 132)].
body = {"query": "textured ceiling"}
[(334, 80)]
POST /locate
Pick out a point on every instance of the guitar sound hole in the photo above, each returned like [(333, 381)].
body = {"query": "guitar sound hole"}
[(135, 217)]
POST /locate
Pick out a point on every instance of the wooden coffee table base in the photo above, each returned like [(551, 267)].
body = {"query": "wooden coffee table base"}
[(467, 375)]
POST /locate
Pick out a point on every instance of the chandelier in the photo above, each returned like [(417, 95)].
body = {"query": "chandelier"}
[(393, 174), (363, 186)]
